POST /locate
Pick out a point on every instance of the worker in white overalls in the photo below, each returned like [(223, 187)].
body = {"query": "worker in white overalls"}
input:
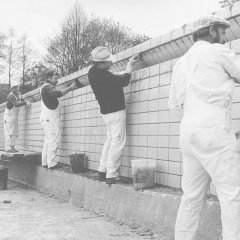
[(202, 88), (14, 102), (50, 117)]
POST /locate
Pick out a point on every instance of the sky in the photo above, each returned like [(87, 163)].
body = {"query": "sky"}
[(40, 19)]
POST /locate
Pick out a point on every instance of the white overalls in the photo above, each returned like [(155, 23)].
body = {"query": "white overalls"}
[(50, 120), (110, 160), (10, 120), (209, 152)]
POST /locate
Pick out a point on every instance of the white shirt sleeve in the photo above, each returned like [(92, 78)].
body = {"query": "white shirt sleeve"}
[(230, 61), (177, 90)]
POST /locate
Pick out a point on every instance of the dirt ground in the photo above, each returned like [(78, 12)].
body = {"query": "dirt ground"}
[(26, 214)]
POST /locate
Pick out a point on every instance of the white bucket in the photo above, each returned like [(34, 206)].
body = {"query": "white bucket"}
[(143, 172)]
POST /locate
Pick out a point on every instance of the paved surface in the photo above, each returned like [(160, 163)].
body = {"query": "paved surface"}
[(32, 215)]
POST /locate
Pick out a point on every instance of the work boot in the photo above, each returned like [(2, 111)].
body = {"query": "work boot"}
[(111, 181), (56, 166), (101, 176), (12, 151), (15, 149)]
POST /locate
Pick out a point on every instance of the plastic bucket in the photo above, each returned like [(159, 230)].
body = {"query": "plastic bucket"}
[(77, 162), (143, 172), (3, 178)]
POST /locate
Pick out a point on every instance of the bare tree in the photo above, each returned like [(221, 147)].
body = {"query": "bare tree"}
[(117, 37), (9, 54), (225, 3), (25, 56), (70, 49), (67, 49)]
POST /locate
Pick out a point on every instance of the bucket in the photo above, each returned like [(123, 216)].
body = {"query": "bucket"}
[(77, 162), (143, 172), (3, 177)]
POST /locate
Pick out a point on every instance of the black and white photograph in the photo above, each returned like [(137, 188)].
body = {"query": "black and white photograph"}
[(120, 120)]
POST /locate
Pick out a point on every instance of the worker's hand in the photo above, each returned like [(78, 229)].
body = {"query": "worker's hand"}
[(73, 86), (28, 104), (237, 134), (134, 59)]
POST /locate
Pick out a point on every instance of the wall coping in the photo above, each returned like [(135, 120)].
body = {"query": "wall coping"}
[(152, 51)]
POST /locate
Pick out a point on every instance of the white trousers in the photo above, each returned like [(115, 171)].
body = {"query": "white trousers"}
[(116, 138), (209, 152), (10, 122), (11, 134), (51, 141)]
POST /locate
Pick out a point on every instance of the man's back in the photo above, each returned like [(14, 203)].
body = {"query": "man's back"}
[(204, 68), (108, 89)]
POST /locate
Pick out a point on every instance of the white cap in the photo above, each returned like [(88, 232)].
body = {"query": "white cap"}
[(208, 21), (101, 54)]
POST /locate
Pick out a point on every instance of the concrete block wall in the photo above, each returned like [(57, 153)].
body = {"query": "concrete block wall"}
[(152, 130)]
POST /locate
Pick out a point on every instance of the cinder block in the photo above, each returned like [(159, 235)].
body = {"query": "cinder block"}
[(164, 116), (142, 152), (143, 118), (163, 129), (154, 82), (143, 141), (124, 171), (152, 141), (167, 37), (157, 41), (153, 105), (136, 49), (152, 129), (145, 73), (154, 70), (174, 181), (152, 153), (174, 141), (163, 141), (143, 95), (145, 46), (154, 93), (143, 106), (144, 84), (143, 130), (165, 67), (174, 129), (175, 116), (153, 117), (174, 155), (162, 178), (175, 168), (163, 104), (163, 154), (165, 79), (162, 166)]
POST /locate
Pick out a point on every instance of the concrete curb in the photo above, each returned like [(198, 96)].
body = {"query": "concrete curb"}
[(155, 211)]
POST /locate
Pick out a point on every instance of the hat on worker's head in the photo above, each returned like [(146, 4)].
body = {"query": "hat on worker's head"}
[(208, 21), (101, 54), (15, 84)]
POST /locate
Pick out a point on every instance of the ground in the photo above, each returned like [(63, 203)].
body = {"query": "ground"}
[(26, 214)]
